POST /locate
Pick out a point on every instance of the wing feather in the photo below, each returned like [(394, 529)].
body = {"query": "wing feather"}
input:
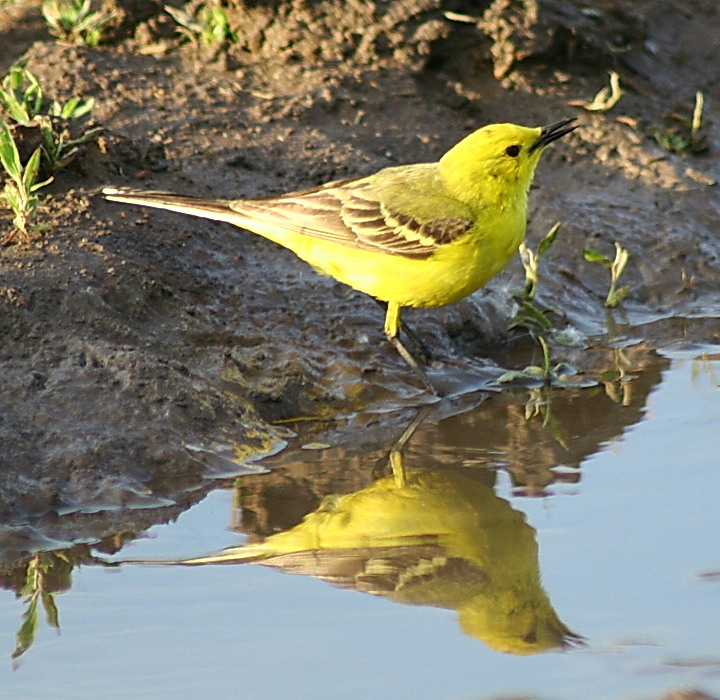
[(352, 213)]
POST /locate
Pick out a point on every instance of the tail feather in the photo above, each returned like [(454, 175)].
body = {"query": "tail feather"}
[(218, 210), (231, 555)]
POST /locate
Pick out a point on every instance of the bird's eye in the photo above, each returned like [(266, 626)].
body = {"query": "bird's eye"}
[(513, 151)]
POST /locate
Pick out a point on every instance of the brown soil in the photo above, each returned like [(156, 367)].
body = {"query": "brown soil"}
[(131, 338)]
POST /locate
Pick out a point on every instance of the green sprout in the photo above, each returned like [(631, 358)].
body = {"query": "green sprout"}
[(605, 99), (21, 95), (23, 101), (36, 590), (683, 133), (209, 26), (530, 261), (42, 128), (75, 21), (21, 184), (536, 375), (529, 315), (615, 294)]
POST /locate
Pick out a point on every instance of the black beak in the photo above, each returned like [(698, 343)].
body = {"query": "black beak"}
[(553, 132)]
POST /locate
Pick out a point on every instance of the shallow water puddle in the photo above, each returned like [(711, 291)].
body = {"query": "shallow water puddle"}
[(579, 524)]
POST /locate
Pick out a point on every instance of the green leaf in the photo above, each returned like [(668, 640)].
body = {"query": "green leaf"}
[(534, 372), (512, 375), (39, 185), (74, 108), (21, 95), (535, 315), (28, 630), (594, 256), (51, 611), (546, 242), (12, 197), (9, 154), (31, 168), (615, 296)]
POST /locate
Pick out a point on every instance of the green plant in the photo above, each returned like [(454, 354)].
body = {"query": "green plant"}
[(531, 259), (21, 95), (75, 21), (22, 99), (59, 146), (21, 184), (529, 315), (210, 25), (681, 132), (36, 590), (615, 294), (47, 131)]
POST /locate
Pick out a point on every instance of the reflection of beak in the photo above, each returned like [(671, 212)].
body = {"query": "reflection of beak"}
[(551, 133)]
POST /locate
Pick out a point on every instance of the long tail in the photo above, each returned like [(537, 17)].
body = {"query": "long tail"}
[(219, 210), (231, 555)]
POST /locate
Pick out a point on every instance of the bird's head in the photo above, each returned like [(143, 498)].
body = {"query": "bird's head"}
[(497, 161)]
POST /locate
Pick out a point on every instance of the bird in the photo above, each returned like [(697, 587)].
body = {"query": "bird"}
[(419, 235)]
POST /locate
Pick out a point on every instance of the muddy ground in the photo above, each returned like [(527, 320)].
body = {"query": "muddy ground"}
[(144, 354)]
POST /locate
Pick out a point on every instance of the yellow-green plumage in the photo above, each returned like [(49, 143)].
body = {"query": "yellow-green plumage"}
[(420, 235)]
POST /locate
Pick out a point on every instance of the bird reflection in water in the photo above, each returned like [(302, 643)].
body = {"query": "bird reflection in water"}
[(431, 537)]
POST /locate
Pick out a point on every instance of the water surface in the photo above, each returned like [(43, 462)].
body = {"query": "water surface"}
[(554, 544)]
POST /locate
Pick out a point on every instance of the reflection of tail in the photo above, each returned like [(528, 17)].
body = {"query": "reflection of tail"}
[(232, 555)]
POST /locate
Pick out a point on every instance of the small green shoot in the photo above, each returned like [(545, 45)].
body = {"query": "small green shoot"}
[(615, 294), (209, 26), (682, 133), (75, 21), (21, 96), (705, 364), (36, 590), (21, 185), (547, 373), (528, 314), (59, 147), (23, 101), (605, 99), (530, 260)]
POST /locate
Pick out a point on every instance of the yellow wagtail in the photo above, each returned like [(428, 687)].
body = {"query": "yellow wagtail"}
[(419, 235)]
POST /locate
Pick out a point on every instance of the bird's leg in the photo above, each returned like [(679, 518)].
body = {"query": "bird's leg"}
[(417, 342), (398, 469), (418, 345), (397, 464), (392, 327)]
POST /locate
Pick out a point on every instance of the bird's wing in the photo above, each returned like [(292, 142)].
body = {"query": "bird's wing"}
[(367, 214)]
